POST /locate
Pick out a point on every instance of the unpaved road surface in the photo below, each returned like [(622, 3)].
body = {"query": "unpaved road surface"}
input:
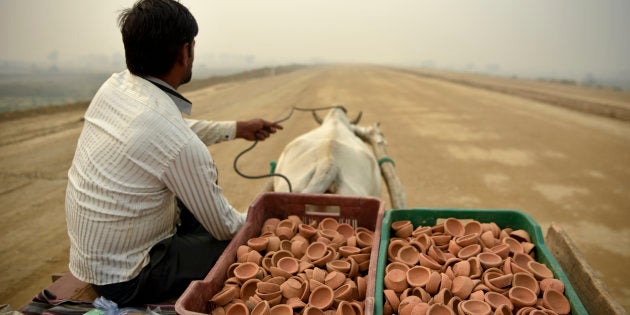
[(454, 145)]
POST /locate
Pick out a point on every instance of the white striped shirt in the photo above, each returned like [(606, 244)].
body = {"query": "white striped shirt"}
[(135, 154)]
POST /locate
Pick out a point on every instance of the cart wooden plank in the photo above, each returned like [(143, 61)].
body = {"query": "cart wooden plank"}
[(587, 285)]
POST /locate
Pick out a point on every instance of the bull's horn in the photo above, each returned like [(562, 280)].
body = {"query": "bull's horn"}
[(356, 119), (317, 118)]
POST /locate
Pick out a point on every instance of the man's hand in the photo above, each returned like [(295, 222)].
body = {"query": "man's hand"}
[(256, 129)]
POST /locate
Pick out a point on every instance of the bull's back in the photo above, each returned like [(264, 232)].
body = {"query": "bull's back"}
[(330, 160)]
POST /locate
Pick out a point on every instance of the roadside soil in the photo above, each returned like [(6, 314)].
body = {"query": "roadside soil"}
[(458, 141)]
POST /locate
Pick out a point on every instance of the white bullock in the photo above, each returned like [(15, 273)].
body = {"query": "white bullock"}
[(330, 159)]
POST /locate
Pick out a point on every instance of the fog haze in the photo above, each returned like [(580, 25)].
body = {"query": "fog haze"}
[(534, 38)]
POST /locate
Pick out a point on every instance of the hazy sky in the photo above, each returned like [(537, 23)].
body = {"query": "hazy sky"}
[(549, 37)]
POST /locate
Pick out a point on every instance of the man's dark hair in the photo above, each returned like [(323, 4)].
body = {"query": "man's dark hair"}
[(153, 31)]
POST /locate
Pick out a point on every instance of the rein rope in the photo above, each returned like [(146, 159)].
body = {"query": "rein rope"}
[(293, 108)]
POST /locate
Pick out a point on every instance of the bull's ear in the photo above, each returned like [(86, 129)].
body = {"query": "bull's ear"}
[(316, 117), (357, 119)]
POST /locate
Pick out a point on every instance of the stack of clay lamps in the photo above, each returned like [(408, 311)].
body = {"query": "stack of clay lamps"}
[(298, 268), (467, 268)]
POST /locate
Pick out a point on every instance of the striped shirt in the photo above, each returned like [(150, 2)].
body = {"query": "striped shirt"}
[(135, 155)]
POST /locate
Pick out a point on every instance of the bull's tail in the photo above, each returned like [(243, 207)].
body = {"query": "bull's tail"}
[(324, 177)]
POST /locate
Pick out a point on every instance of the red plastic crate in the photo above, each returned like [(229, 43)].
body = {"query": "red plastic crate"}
[(364, 211)]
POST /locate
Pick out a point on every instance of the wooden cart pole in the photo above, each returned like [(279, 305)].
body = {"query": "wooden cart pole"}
[(591, 290), (374, 136)]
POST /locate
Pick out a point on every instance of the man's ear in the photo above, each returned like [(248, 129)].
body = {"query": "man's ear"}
[(183, 55)]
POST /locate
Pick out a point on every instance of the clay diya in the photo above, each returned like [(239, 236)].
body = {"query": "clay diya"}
[(422, 230), (281, 309), (438, 309), (246, 271), (472, 227), (237, 309), (345, 308), (469, 251), (328, 223), (428, 261), (321, 297), (295, 303), (346, 251), (441, 239), (225, 296), (475, 307), (346, 230), (310, 310), (402, 229), (468, 239), (433, 285), (248, 288), (498, 280), (503, 310), (453, 248), (522, 296), (551, 284), (407, 304), (289, 264), (454, 227), (392, 297), (344, 292), (284, 232), (270, 225), (521, 236), (539, 270), (254, 257), (394, 246), (487, 239), (478, 295), (462, 287), (396, 280), (261, 308), (339, 265), (258, 243), (279, 272), (291, 288), (306, 230), (316, 250), (503, 250), (436, 254), (418, 276), (407, 255), (361, 287), (522, 279), (364, 238), (298, 248), (446, 282), (495, 300), (334, 279), (489, 260), (515, 246), (462, 268), (475, 267), (527, 247), (328, 256), (396, 265), (422, 242), (521, 260), (443, 296), (556, 302)]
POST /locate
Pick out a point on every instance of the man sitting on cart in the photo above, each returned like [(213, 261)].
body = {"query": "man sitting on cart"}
[(144, 211)]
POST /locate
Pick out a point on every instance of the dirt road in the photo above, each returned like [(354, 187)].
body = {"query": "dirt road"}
[(454, 145)]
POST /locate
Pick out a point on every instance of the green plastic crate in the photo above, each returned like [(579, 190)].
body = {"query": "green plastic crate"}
[(504, 218)]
